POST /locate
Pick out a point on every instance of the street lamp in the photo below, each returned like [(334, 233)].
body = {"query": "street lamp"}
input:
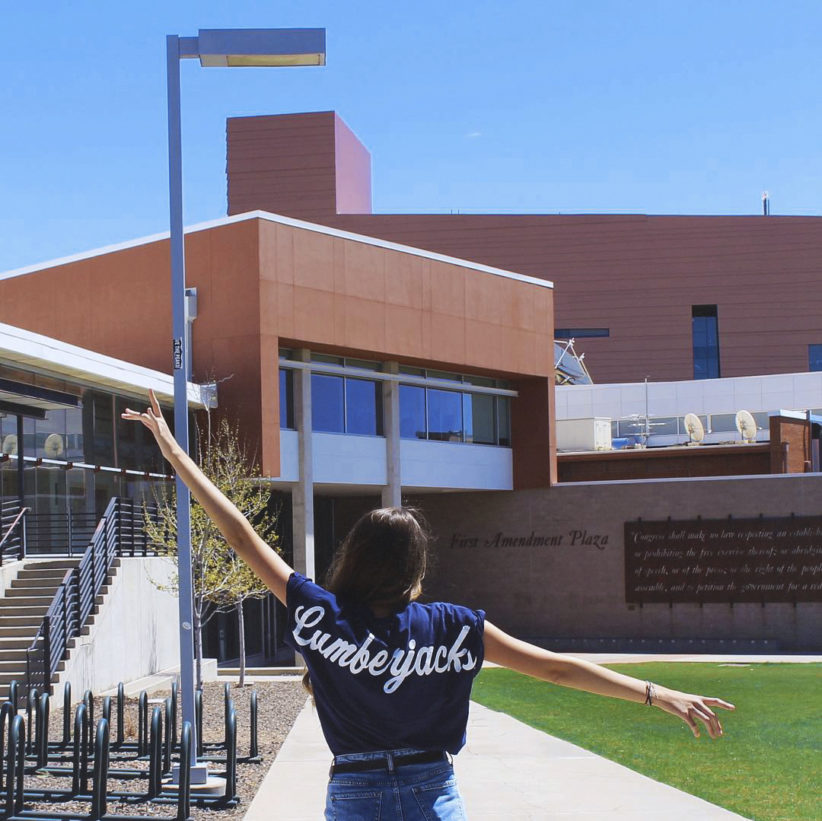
[(214, 47)]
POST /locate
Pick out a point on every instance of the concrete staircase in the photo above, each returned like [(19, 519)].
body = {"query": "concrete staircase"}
[(22, 609)]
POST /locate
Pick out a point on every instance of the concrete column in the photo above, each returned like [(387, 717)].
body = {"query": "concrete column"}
[(392, 492), (302, 498)]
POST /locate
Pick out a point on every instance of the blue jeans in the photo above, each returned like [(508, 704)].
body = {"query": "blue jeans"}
[(413, 792)]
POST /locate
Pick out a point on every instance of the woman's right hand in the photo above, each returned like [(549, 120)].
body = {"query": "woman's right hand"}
[(153, 419), (236, 530)]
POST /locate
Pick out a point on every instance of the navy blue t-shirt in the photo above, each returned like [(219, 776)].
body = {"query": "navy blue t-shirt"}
[(386, 683)]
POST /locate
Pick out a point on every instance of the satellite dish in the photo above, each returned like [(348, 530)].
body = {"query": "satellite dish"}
[(746, 425), (695, 429), (10, 444), (53, 446)]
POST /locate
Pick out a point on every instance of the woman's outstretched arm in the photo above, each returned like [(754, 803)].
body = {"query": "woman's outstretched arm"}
[(261, 557), (523, 657)]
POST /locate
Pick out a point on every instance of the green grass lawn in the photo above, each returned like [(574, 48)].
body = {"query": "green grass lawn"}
[(766, 766)]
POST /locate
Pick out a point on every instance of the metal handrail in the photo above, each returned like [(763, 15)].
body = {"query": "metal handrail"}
[(21, 513), (69, 530), (115, 535)]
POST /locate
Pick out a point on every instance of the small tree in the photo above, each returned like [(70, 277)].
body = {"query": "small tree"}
[(221, 581)]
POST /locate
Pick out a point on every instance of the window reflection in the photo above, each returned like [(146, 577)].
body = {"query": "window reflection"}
[(286, 399), (339, 404), (327, 403), (481, 412), (90, 433), (354, 405), (8, 434), (412, 412), (454, 416), (444, 415), (705, 330), (102, 419), (363, 407), (504, 410)]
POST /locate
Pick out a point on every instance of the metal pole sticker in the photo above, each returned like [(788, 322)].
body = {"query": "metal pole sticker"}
[(177, 347)]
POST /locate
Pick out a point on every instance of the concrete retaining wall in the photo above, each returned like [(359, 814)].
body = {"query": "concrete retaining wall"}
[(133, 636), (8, 573)]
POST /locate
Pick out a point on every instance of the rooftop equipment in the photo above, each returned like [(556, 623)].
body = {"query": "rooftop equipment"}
[(746, 425)]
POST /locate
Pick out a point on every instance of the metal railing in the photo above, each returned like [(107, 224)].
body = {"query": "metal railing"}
[(120, 532), (26, 533), (59, 533), (12, 532)]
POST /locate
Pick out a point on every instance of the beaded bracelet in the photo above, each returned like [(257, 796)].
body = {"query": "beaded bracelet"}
[(650, 693)]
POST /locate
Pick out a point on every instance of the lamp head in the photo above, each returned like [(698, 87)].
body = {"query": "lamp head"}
[(261, 47)]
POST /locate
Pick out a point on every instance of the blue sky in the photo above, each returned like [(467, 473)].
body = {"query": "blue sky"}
[(543, 107)]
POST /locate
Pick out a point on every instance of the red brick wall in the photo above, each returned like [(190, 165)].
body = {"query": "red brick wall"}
[(790, 445), (282, 164), (309, 166), (665, 463), (532, 434), (636, 275), (261, 284)]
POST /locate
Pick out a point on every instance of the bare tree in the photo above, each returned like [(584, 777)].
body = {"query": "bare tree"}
[(221, 580)]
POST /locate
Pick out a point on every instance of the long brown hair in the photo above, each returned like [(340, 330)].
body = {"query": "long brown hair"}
[(383, 559), (381, 562)]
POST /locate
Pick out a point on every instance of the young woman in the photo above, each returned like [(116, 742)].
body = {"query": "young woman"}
[(392, 678)]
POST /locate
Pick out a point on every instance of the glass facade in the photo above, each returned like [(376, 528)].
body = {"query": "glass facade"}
[(705, 333), (815, 357), (286, 399), (345, 404), (454, 415), (445, 419), (327, 403), (412, 412), (92, 433), (354, 404), (363, 407)]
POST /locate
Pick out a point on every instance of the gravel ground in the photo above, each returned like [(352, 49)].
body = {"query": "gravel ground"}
[(278, 704)]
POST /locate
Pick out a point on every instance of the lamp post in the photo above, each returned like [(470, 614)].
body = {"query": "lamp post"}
[(228, 48)]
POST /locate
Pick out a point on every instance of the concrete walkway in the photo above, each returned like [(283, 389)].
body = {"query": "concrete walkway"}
[(507, 772)]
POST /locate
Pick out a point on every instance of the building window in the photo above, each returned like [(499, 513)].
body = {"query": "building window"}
[(363, 407), (352, 403), (445, 415), (480, 414), (286, 399), (327, 403), (455, 415), (815, 357), (102, 420), (346, 404), (480, 419), (504, 421), (705, 332), (412, 412), (579, 333)]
